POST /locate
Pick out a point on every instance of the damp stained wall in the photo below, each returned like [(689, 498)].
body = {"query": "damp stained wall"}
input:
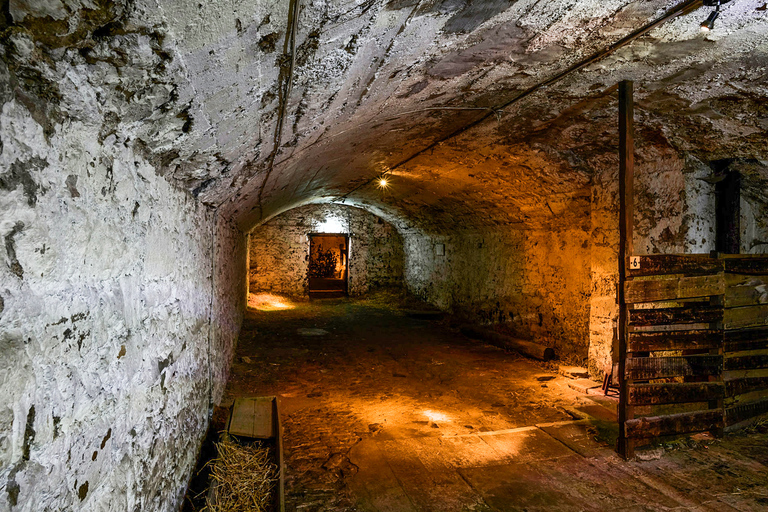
[(121, 302), (279, 249)]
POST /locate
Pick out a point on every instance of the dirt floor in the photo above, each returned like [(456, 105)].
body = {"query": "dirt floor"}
[(385, 412)]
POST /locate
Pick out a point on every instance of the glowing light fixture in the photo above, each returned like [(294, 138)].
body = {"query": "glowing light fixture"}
[(383, 182), (709, 23)]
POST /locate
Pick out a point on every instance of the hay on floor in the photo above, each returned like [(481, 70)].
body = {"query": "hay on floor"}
[(243, 478)]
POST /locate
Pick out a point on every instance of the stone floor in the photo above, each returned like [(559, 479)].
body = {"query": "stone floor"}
[(384, 412)]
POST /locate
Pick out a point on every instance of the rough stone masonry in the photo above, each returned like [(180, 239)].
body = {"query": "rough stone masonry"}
[(140, 140)]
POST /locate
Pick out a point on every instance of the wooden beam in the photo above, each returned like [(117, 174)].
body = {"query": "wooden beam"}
[(746, 339), (728, 214), (673, 288), (675, 340), (743, 412), (746, 264), (626, 215), (697, 314), (672, 424), (649, 368), (675, 393), (746, 317), (686, 264)]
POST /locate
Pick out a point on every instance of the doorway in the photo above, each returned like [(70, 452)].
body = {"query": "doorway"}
[(328, 265)]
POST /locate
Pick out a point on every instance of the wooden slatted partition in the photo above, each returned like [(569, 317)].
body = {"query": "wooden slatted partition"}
[(674, 348), (746, 338), (696, 345)]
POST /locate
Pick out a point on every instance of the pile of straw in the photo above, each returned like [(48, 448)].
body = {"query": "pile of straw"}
[(243, 477)]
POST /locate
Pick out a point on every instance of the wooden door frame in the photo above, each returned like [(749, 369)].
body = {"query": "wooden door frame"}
[(346, 236)]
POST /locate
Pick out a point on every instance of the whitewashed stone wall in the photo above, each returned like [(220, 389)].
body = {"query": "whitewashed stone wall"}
[(279, 249), (109, 350)]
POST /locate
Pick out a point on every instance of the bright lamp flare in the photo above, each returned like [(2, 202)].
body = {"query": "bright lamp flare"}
[(383, 182)]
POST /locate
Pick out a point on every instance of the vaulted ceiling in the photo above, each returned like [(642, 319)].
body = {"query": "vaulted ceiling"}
[(483, 112)]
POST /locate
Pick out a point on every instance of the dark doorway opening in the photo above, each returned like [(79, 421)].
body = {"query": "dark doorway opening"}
[(328, 265)]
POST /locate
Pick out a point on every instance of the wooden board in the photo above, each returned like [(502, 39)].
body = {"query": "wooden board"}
[(745, 290), (673, 288), (674, 340), (746, 385), (746, 339), (675, 393), (660, 264), (754, 265), (741, 318), (683, 423), (743, 412), (703, 313), (751, 361), (253, 417), (646, 368)]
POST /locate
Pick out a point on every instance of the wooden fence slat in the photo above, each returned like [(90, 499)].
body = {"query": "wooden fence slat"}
[(640, 341), (745, 290), (646, 368), (743, 412), (747, 362), (673, 288), (746, 339), (682, 423), (750, 316), (660, 264), (740, 386), (675, 393), (703, 313), (754, 265)]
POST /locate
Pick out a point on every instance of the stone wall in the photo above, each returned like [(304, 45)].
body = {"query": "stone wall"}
[(115, 330), (535, 282), (279, 249)]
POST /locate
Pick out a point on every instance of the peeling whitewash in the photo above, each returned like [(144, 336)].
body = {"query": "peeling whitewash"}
[(111, 352)]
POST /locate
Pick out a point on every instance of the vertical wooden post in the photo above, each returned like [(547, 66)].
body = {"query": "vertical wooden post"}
[(728, 213), (626, 214)]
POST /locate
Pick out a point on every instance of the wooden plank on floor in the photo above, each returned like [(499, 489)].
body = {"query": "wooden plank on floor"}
[(253, 417), (579, 437), (520, 487), (526, 446), (442, 489), (375, 487)]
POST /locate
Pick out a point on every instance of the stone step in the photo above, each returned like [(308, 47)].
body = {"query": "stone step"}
[(574, 372), (583, 385)]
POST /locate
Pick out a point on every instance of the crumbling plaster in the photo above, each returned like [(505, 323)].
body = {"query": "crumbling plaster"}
[(112, 354), (120, 120)]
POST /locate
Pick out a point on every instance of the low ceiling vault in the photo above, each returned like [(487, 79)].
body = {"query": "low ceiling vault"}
[(492, 112)]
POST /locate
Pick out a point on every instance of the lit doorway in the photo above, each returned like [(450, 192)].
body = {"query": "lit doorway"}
[(328, 265)]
